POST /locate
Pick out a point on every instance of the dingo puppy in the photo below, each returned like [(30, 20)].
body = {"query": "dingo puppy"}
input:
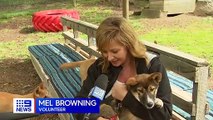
[(84, 65), (144, 88), (6, 99)]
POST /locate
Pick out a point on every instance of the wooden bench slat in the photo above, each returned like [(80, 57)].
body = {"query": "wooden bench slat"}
[(70, 53), (183, 100), (180, 67), (176, 54), (52, 89), (78, 42), (84, 27)]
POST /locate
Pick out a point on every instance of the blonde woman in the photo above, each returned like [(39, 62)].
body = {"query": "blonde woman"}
[(124, 56)]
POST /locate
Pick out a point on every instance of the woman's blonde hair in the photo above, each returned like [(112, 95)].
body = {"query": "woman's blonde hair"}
[(118, 28)]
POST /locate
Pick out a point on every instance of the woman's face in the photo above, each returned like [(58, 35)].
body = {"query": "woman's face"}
[(115, 53)]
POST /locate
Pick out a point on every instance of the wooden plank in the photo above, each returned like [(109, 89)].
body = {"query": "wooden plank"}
[(75, 31), (179, 62), (78, 41), (47, 83), (195, 61), (39, 69), (199, 94), (183, 100), (74, 3), (173, 6), (179, 6), (180, 67), (153, 13), (81, 43), (126, 9), (183, 94), (68, 45), (84, 27), (91, 40), (54, 94), (176, 116), (156, 4)]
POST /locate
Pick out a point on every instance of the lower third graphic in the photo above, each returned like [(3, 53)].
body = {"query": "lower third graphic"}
[(23, 105)]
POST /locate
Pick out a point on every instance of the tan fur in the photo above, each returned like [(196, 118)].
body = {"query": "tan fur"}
[(146, 83), (6, 99), (107, 111), (139, 86), (84, 66)]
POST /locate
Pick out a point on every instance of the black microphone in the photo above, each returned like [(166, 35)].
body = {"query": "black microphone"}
[(98, 91)]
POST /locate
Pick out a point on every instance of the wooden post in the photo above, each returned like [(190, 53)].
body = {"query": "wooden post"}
[(91, 41), (126, 9), (199, 97), (74, 3), (75, 31)]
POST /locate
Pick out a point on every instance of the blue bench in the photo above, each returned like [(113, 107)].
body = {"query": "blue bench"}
[(51, 56), (65, 82)]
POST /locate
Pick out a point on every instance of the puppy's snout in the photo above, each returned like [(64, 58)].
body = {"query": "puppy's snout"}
[(149, 105)]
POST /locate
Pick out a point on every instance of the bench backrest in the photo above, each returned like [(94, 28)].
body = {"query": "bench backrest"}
[(188, 66)]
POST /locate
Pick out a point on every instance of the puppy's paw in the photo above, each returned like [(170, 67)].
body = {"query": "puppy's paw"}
[(107, 111), (158, 103)]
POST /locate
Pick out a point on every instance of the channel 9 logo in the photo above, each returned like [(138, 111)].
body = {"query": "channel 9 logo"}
[(23, 105), (56, 105)]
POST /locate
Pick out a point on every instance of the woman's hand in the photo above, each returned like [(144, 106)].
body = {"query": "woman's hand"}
[(119, 90)]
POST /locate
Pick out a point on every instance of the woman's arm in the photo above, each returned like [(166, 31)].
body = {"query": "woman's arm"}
[(92, 74)]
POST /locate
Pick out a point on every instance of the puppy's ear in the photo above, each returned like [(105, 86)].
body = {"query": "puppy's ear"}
[(131, 81), (37, 92), (156, 76), (41, 86)]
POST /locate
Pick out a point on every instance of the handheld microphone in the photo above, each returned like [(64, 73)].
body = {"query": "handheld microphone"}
[(98, 91)]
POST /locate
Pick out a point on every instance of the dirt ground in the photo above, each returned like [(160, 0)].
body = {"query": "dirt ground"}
[(16, 75), (19, 76)]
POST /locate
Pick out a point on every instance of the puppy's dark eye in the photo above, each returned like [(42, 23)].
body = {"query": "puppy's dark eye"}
[(140, 89)]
